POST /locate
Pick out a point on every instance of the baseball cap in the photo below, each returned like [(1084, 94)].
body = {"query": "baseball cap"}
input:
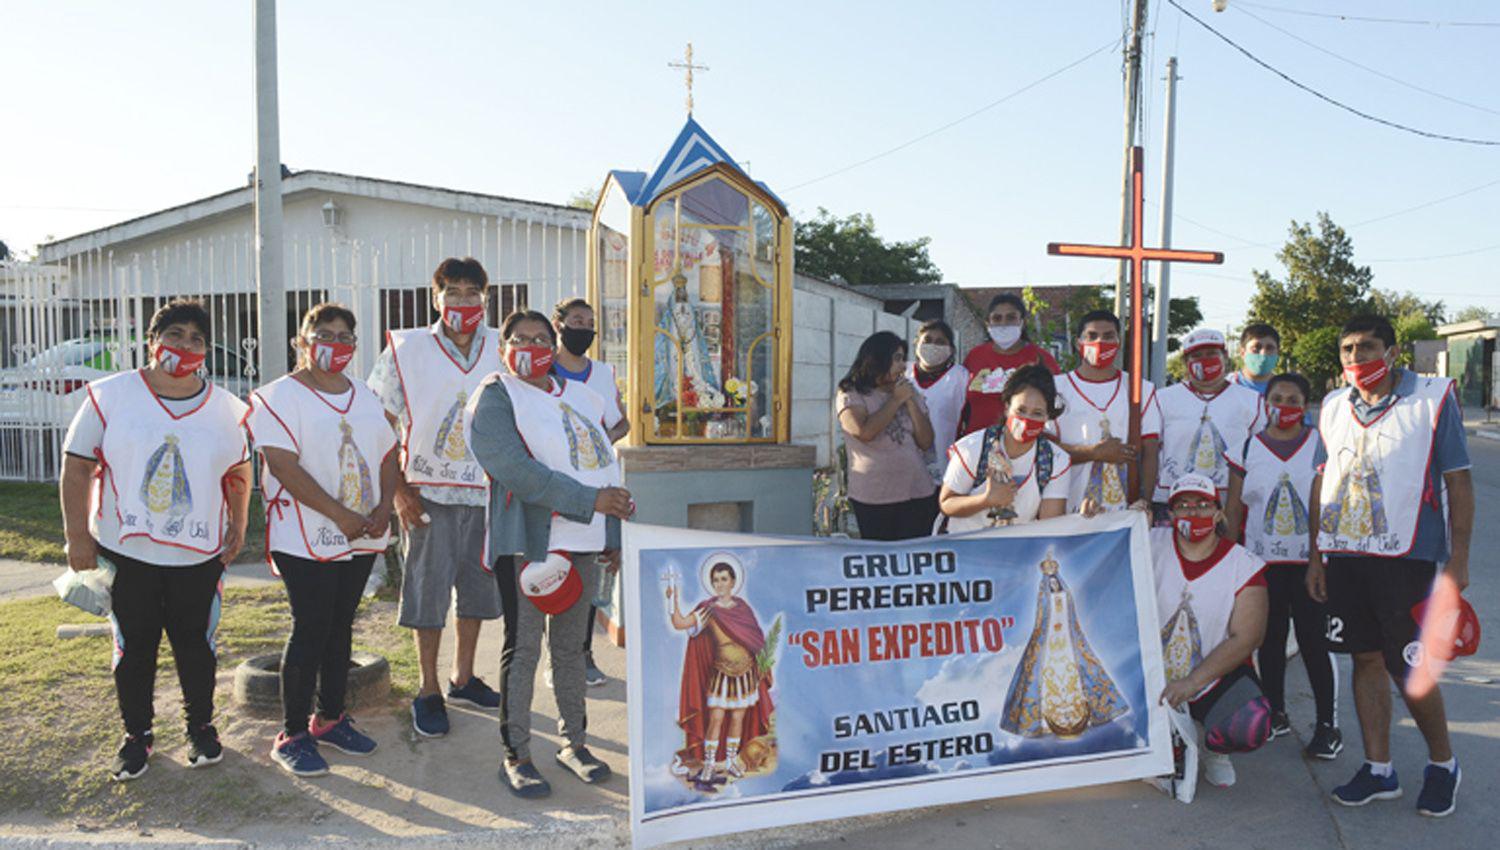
[(1193, 483), (1461, 622), (1201, 338), (552, 585)]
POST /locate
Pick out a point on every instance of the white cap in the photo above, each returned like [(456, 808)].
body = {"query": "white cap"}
[(1203, 337), (552, 585), (1193, 483)]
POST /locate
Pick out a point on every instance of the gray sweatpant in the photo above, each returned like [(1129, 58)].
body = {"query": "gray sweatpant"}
[(522, 649)]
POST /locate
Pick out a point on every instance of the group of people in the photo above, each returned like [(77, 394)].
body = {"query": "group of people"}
[(1265, 518), (491, 449)]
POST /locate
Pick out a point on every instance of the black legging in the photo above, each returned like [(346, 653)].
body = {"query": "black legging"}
[(182, 601), (324, 597), (1285, 585), (896, 521)]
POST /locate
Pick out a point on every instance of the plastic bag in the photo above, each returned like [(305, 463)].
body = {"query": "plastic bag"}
[(88, 590)]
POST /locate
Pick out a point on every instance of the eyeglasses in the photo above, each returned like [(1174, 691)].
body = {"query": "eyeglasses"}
[(327, 336), (1185, 507), (543, 340)]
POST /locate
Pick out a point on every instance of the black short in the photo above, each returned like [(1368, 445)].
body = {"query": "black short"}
[(1369, 607)]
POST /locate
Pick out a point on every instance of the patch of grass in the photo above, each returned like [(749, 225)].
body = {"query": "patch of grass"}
[(60, 700), (30, 522), (31, 527)]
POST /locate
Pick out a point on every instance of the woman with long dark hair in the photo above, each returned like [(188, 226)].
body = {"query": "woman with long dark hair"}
[(886, 431)]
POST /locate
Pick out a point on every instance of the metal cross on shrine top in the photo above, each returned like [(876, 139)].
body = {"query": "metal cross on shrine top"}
[(1137, 253), (689, 67)]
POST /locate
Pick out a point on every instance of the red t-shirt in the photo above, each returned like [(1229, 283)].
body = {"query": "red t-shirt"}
[(988, 370)]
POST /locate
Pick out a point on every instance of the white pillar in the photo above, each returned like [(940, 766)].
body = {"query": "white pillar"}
[(1164, 276)]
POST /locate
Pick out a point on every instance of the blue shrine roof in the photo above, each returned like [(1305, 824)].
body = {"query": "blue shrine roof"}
[(693, 151)]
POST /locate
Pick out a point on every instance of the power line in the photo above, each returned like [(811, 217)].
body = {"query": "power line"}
[(1376, 71), (929, 134), (1325, 98), (1467, 253), (1367, 19), (1426, 204)]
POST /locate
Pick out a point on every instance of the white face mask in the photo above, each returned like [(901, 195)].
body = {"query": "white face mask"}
[(1005, 336), (932, 354)]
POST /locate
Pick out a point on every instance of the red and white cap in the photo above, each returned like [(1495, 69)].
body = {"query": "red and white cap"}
[(1456, 626), (1193, 483), (552, 585), (1202, 338)]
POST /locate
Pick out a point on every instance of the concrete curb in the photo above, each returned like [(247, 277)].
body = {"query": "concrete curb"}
[(1484, 433)]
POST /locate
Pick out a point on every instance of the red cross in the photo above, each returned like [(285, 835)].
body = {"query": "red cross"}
[(1137, 253)]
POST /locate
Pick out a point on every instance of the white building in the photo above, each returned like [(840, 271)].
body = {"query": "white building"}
[(367, 243)]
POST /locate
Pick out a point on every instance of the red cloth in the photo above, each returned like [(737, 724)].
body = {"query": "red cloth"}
[(981, 410), (697, 668)]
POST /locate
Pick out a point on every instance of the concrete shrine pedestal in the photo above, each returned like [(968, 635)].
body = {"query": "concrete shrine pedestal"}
[(764, 488)]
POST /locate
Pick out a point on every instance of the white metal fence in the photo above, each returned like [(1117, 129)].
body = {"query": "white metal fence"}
[(65, 324)]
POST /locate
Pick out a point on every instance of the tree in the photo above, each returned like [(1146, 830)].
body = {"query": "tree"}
[(583, 199), (1394, 305), (850, 249), (1322, 284), (1411, 327), (4, 252), (1183, 315), (1316, 356), (1473, 313)]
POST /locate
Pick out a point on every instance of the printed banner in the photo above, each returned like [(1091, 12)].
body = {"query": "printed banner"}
[(783, 680)]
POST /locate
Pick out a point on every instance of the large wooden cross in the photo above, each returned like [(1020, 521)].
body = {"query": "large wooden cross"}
[(689, 67), (1137, 253)]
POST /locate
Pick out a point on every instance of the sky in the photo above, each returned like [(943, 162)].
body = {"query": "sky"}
[(121, 109)]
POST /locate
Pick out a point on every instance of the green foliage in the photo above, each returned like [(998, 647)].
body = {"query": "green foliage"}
[(850, 249), (1321, 284), (1183, 314), (1475, 313), (1394, 305), (766, 658), (1316, 355), (1176, 369), (1411, 327), (584, 198)]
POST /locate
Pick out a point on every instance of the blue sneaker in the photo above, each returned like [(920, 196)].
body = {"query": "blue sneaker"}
[(1366, 786), (429, 716), (298, 755), (342, 736), (474, 692), (1439, 791)]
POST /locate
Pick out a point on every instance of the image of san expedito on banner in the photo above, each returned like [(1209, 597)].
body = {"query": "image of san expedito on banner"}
[(775, 680)]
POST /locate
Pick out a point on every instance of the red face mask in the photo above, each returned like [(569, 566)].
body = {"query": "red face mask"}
[(177, 362), (1206, 370), (1367, 375), (1195, 527), (332, 356), (463, 320), (1099, 353), (1023, 428), (1285, 417), (528, 361)]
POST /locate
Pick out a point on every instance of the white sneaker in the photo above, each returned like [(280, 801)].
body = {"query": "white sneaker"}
[(1218, 770)]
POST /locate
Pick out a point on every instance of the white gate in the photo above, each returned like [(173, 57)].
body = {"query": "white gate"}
[(66, 324)]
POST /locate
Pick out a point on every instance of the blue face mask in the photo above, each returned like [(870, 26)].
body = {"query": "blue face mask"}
[(1261, 364)]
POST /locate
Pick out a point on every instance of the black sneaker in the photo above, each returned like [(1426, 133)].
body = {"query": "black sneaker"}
[(1327, 742), (524, 780), (204, 748), (1439, 791), (1280, 725), (429, 716), (583, 764), (131, 761)]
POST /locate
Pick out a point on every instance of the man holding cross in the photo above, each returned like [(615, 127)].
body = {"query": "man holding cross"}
[(1204, 416)]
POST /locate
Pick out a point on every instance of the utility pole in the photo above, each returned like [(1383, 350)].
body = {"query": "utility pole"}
[(270, 285), (1132, 110), (1164, 276)]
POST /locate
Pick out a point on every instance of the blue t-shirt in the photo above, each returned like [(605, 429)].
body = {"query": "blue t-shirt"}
[(1258, 386), (581, 377), (1450, 453)]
